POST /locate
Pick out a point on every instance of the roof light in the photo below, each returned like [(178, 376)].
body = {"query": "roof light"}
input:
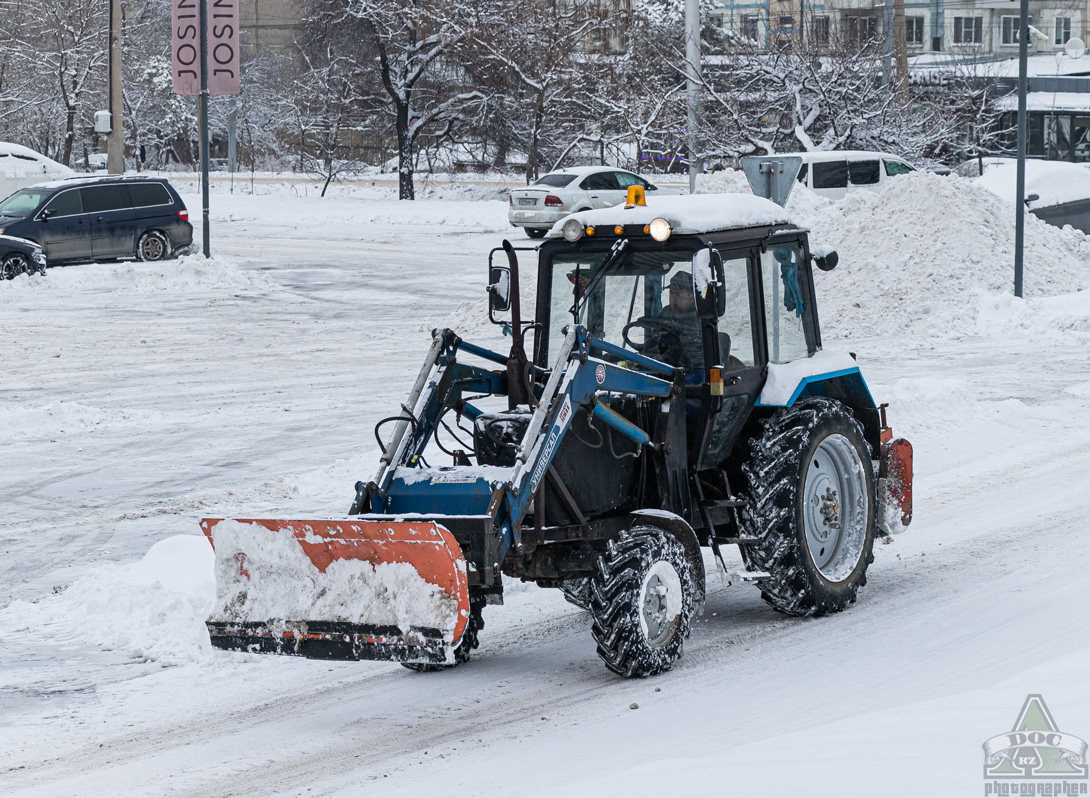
[(660, 229), (572, 230), (635, 197)]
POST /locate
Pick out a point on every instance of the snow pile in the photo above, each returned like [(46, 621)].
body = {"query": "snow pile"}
[(153, 610), (263, 575), (465, 191), (1064, 319), (191, 273), (920, 255), (1054, 182)]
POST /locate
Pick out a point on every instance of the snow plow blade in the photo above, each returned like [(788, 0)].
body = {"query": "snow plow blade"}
[(338, 589)]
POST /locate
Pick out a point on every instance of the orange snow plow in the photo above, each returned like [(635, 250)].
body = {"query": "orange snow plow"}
[(338, 589)]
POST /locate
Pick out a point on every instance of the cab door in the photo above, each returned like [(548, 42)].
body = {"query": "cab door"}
[(64, 231), (111, 219), (741, 354)]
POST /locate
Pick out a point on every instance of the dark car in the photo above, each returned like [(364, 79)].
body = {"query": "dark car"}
[(99, 218), (19, 256)]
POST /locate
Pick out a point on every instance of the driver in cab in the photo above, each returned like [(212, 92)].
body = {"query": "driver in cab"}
[(680, 343)]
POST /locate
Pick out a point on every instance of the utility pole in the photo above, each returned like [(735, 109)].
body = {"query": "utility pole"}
[(692, 57), (1020, 187), (115, 140), (202, 104)]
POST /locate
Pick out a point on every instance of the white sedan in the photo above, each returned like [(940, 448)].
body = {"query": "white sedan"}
[(582, 188)]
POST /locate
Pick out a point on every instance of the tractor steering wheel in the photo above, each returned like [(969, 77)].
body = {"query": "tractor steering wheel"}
[(660, 335)]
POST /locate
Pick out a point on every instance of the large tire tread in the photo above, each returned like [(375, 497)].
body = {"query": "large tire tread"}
[(773, 477)]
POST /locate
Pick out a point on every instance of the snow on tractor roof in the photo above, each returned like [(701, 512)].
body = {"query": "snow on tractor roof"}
[(694, 213)]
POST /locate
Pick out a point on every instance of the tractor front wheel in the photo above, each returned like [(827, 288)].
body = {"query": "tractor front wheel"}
[(641, 601), (811, 508)]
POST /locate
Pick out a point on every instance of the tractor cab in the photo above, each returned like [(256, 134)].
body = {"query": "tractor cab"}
[(717, 286)]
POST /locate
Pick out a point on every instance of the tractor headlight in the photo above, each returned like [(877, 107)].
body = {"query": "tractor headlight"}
[(660, 229), (572, 230)]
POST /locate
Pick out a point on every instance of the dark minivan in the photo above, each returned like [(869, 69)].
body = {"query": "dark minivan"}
[(99, 218)]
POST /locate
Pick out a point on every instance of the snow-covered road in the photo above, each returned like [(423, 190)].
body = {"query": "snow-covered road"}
[(137, 398)]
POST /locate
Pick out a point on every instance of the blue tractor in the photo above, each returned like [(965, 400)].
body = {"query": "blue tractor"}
[(676, 397)]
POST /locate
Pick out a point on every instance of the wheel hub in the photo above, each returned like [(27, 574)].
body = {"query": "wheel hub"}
[(660, 603), (834, 507)]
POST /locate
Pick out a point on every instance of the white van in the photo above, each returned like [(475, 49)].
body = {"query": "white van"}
[(833, 174), (21, 167)]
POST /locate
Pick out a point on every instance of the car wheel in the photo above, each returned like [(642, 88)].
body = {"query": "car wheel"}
[(153, 246), (536, 232), (13, 264)]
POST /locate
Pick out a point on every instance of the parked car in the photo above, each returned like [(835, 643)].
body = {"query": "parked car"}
[(834, 173), (100, 218), (19, 256), (553, 196), (21, 166)]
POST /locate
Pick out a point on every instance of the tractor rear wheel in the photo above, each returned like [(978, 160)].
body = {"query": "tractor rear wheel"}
[(811, 508), (641, 600), (577, 591)]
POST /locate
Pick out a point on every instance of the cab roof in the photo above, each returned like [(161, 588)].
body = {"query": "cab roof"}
[(694, 213)]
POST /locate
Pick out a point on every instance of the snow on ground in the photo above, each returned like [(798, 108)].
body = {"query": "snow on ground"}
[(139, 398), (1054, 182)]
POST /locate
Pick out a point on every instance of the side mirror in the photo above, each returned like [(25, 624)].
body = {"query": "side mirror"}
[(652, 188), (1032, 198), (825, 258), (708, 280), (47, 214), (499, 289)]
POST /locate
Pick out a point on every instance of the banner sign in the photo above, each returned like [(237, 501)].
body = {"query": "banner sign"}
[(223, 48), (185, 46), (223, 56)]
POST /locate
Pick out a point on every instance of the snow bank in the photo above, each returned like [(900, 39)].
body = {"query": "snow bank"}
[(190, 273), (283, 583), (153, 609), (1064, 319), (1054, 182), (919, 256)]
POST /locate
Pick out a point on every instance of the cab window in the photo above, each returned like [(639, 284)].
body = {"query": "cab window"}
[(863, 173), (626, 179), (602, 181), (736, 324), (99, 199), (897, 168), (785, 299), (66, 203), (829, 174)]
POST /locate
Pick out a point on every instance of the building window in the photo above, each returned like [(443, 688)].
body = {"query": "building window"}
[(862, 30), (914, 31), (787, 23), (1063, 30), (968, 30), (749, 26), (1009, 30), (821, 31)]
